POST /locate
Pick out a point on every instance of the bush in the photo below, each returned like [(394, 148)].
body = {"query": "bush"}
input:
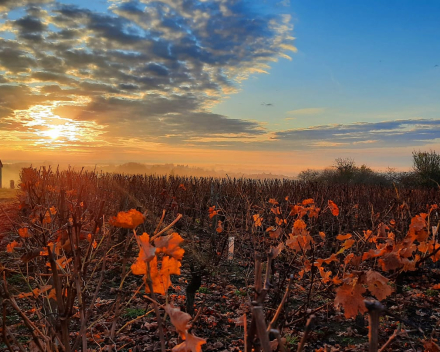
[(427, 167)]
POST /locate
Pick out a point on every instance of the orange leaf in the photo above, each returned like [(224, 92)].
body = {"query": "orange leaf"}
[(350, 298), (430, 346), (156, 279), (348, 244), (325, 275), (24, 295), (161, 280), (170, 245), (62, 262), (23, 232), (299, 243), (276, 210), (336, 280), (378, 285), (423, 247), (279, 221), (147, 253), (182, 186), (417, 228), (43, 289), (52, 294), (257, 220), (322, 235), (273, 201), (308, 201), (313, 211), (299, 227), (139, 267), (374, 253), (212, 212), (47, 219), (127, 219), (332, 258), (333, 208), (298, 209), (344, 237), (219, 228), (192, 343), (436, 287), (170, 266), (10, 247)]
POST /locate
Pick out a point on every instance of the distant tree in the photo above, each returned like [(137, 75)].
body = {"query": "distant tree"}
[(345, 169), (309, 175), (427, 167)]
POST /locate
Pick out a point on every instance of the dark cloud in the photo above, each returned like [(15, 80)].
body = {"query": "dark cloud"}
[(389, 133), (17, 97), (7, 5), (14, 58), (29, 24), (51, 77)]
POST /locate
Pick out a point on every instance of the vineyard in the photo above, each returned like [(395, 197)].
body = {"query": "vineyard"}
[(110, 262)]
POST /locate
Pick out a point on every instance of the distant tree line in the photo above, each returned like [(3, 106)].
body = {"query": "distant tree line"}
[(424, 173)]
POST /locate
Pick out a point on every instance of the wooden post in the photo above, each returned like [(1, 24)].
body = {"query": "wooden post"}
[(12, 184), (1, 166)]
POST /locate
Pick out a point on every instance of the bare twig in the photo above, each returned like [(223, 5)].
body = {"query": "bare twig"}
[(135, 320), (166, 228), (160, 222), (306, 332), (281, 305), (390, 340)]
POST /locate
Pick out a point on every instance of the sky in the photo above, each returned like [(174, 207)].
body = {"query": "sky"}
[(271, 86)]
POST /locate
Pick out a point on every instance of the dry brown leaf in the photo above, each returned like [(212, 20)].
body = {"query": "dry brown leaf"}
[(179, 319), (350, 298), (378, 285)]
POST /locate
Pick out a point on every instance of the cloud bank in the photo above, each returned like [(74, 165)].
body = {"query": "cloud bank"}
[(149, 70)]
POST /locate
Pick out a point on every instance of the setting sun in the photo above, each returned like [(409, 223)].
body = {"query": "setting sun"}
[(53, 133)]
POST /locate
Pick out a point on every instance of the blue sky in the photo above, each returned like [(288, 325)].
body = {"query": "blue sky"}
[(272, 86), (358, 59)]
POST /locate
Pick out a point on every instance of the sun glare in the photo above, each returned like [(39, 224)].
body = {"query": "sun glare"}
[(54, 133)]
